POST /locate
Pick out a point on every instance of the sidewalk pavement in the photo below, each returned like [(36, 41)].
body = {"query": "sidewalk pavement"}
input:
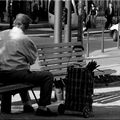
[(100, 113), (41, 24), (109, 59), (105, 107)]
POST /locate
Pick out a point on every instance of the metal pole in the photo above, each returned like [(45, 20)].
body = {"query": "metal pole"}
[(86, 2), (102, 42), (118, 41), (58, 22), (7, 4), (67, 27), (11, 13), (58, 36), (80, 23), (87, 44)]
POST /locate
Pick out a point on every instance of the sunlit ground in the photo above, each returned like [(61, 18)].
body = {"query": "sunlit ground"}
[(102, 97)]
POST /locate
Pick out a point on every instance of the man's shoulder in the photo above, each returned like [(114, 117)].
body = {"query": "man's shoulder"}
[(26, 39), (4, 31)]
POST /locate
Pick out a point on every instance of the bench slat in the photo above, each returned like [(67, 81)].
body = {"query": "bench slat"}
[(59, 72), (59, 61), (60, 66), (14, 87), (51, 45), (56, 57), (51, 56), (54, 50)]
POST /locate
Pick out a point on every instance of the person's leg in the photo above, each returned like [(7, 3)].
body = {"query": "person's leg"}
[(2, 17), (25, 97), (33, 17), (92, 21), (46, 90), (107, 24), (12, 78), (111, 22), (27, 105), (44, 80)]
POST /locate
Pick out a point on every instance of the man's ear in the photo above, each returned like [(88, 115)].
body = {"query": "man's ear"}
[(14, 22), (21, 26)]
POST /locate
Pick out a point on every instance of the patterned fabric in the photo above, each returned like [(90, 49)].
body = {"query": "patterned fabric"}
[(79, 88)]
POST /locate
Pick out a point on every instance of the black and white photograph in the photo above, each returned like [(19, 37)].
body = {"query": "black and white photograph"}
[(59, 59)]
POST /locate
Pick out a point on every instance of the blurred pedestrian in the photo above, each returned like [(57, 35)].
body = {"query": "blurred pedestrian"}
[(35, 12), (115, 18), (2, 10), (84, 16), (93, 15), (15, 8), (109, 13)]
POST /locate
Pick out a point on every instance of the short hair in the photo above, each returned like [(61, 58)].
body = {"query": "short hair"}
[(22, 19)]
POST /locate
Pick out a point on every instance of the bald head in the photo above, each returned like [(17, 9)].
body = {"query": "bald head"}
[(22, 20)]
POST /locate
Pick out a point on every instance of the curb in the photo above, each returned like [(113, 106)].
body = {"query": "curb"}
[(39, 25)]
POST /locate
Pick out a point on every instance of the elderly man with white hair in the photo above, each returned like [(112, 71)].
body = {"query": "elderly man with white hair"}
[(17, 53)]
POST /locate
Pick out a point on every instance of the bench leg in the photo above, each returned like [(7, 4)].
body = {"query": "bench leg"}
[(35, 97), (6, 103)]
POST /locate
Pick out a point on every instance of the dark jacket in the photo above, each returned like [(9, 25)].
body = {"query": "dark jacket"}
[(107, 13)]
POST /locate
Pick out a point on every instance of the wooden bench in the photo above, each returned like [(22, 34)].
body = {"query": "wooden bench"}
[(56, 57), (51, 57), (6, 92)]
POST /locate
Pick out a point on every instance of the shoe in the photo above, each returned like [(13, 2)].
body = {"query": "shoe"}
[(47, 112), (28, 109)]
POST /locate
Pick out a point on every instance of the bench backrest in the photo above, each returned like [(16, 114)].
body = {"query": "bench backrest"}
[(56, 57)]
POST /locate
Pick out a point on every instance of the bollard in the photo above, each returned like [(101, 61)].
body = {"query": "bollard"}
[(67, 26), (11, 13), (118, 41), (58, 22), (102, 42), (87, 44)]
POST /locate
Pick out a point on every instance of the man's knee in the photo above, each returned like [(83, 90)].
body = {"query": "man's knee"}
[(47, 76), (50, 75)]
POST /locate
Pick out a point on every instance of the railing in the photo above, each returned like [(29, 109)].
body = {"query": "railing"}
[(88, 33)]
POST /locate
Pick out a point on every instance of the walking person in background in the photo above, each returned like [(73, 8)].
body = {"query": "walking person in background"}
[(2, 10), (115, 19), (93, 15), (84, 16), (35, 13), (109, 13), (17, 53)]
